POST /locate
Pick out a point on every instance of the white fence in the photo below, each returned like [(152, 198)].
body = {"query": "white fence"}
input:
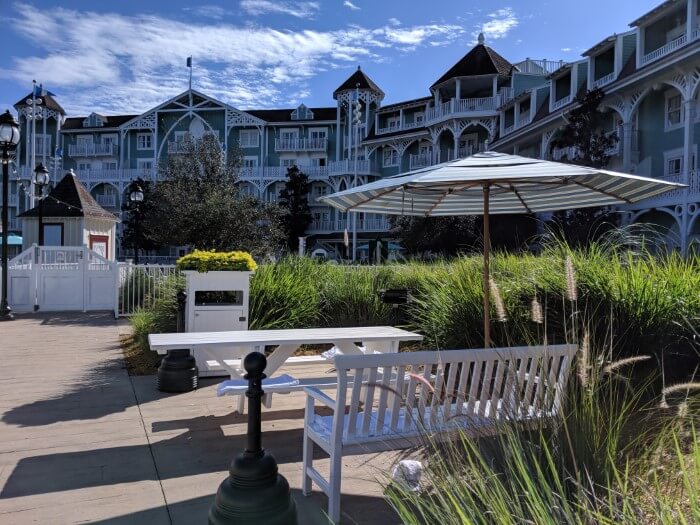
[(61, 278), (141, 285)]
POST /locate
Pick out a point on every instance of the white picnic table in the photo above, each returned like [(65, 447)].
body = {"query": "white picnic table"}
[(228, 349)]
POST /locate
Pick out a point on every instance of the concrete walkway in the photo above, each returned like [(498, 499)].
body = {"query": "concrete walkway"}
[(81, 442)]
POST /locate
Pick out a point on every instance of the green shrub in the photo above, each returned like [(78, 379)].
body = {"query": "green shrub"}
[(209, 261)]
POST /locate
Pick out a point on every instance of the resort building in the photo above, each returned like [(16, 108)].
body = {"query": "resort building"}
[(650, 75)]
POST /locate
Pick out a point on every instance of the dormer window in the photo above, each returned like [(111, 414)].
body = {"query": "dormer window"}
[(302, 113), (94, 121)]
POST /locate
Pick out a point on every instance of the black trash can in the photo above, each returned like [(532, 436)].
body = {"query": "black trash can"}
[(177, 372)]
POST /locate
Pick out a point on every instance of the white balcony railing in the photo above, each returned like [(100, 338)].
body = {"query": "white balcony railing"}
[(296, 144), (539, 67), (92, 150), (119, 175), (464, 106), (664, 50), (506, 94), (564, 153), (558, 104), (603, 81), (107, 201), (401, 127), (347, 167), (421, 160)]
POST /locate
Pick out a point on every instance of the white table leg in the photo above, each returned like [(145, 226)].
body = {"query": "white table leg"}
[(384, 347), (235, 373), (277, 358)]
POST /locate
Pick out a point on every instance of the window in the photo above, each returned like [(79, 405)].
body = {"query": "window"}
[(391, 157), (288, 163), (320, 190), (43, 144), (250, 162), (289, 134), (419, 118), (318, 162), (53, 234), (144, 141), (109, 166), (84, 140), (249, 138), (109, 139), (674, 111), (392, 122), (83, 166), (674, 166), (144, 164), (318, 133)]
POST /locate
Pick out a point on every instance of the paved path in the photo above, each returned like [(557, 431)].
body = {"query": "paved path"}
[(81, 442)]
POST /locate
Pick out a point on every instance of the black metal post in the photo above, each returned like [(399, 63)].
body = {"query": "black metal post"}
[(137, 233), (5, 311), (255, 492), (181, 304)]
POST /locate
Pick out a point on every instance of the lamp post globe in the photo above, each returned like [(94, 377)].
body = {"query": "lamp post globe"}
[(41, 176), (9, 138), (136, 193)]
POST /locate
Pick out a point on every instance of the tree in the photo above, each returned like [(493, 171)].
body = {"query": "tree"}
[(197, 203), (443, 235), (134, 234), (589, 143), (294, 200)]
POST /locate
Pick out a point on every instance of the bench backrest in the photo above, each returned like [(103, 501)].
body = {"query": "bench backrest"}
[(417, 391)]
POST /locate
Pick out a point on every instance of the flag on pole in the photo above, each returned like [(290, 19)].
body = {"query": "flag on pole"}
[(189, 61), (346, 238), (39, 91), (58, 153)]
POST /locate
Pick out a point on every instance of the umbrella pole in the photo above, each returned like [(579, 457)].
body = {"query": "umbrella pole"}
[(487, 254)]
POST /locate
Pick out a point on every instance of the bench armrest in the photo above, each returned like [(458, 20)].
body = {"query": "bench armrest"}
[(318, 395)]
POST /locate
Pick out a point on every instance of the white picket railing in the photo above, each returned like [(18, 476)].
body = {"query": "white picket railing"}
[(92, 150), (664, 50), (603, 81), (301, 144), (539, 67), (462, 106), (140, 285), (557, 104)]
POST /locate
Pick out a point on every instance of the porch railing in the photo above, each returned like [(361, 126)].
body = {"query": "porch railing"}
[(558, 104), (92, 150), (539, 67), (664, 50), (462, 106), (603, 81), (301, 144)]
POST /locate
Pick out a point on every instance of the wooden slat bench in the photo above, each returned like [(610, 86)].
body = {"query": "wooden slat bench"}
[(408, 395)]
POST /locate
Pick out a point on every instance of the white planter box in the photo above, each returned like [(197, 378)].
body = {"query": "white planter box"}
[(212, 312)]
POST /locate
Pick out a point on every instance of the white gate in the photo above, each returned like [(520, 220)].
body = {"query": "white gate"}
[(61, 278)]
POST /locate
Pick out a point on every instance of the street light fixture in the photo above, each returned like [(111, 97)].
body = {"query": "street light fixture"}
[(136, 198), (9, 138), (40, 180)]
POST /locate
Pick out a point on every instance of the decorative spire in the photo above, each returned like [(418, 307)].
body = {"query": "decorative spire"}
[(482, 39)]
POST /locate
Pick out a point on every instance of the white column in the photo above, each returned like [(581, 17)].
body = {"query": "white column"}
[(543, 148), (43, 139), (376, 122), (640, 45), (495, 85), (690, 10), (459, 89), (627, 145), (401, 118), (338, 134), (437, 97), (687, 164)]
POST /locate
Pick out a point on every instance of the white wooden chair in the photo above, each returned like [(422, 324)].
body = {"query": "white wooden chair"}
[(408, 396)]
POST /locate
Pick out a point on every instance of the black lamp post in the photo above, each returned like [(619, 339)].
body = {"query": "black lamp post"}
[(40, 180), (136, 198), (9, 138)]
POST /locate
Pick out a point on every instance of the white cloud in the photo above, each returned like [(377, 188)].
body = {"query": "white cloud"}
[(394, 21), (497, 25), (297, 9), (208, 11), (566, 49), (247, 66), (350, 5)]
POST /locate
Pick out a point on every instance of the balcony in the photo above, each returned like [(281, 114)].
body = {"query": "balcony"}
[(107, 201), (664, 50), (93, 150), (523, 120), (464, 107), (603, 81), (539, 67), (422, 160), (558, 104), (347, 167), (297, 144), (559, 154), (405, 126), (376, 224), (115, 176)]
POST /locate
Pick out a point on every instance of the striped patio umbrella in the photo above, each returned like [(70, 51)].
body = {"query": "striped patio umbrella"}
[(496, 183)]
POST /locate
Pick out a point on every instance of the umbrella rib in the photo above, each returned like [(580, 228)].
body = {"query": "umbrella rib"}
[(598, 190), (439, 201), (522, 201), (373, 198)]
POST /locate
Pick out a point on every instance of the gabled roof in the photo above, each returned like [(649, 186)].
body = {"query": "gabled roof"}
[(48, 101), (110, 121), (70, 198), (605, 43), (481, 60), (358, 80), (285, 115), (655, 11)]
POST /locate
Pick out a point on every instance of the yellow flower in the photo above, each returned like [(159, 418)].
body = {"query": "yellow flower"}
[(209, 261)]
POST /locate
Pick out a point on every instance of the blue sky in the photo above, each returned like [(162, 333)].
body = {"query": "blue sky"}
[(127, 56)]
